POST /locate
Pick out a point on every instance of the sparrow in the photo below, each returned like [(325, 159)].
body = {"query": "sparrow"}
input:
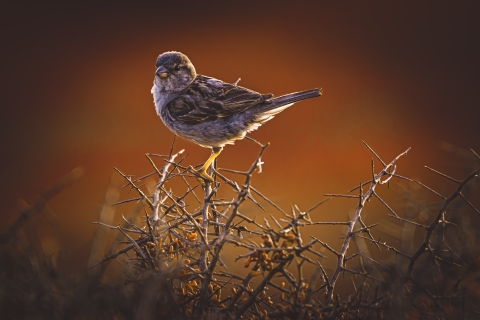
[(208, 111)]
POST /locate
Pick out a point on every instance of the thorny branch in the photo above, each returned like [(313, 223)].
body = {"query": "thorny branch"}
[(186, 247), (363, 198)]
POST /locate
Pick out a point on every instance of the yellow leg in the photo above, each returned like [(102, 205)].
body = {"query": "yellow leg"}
[(203, 172)]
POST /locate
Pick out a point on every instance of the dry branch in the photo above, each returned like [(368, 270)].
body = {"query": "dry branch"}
[(186, 248)]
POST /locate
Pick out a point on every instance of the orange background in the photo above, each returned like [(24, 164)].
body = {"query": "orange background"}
[(76, 85)]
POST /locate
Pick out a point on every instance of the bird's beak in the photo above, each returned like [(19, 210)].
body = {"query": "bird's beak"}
[(162, 72)]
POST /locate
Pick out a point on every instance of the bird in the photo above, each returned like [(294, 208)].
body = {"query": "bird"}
[(208, 111)]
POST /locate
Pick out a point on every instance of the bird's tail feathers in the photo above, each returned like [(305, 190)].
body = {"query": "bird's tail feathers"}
[(272, 107), (267, 110), (276, 105), (264, 116)]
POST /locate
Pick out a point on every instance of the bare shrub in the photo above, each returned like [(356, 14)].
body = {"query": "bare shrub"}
[(175, 268)]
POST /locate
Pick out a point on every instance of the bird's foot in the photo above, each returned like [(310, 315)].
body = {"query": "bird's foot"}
[(202, 176)]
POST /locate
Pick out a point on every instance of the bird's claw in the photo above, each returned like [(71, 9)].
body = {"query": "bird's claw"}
[(201, 176)]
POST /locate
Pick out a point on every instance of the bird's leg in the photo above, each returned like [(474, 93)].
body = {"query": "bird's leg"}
[(202, 174), (215, 153)]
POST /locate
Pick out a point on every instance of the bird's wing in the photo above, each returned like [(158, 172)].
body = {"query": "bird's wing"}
[(208, 99)]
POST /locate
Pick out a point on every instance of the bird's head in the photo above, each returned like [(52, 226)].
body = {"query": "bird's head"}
[(173, 72)]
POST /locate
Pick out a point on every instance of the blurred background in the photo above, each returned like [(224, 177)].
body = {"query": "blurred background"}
[(76, 80)]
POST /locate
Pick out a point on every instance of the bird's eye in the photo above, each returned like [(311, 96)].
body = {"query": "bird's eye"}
[(177, 68)]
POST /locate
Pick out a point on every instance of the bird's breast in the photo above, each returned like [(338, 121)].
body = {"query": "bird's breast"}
[(161, 99)]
